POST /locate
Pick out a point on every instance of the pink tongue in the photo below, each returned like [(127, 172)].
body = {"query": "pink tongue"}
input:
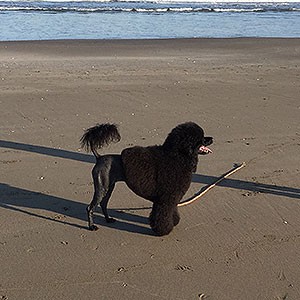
[(205, 150)]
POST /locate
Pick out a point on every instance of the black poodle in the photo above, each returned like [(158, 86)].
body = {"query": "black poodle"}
[(161, 174)]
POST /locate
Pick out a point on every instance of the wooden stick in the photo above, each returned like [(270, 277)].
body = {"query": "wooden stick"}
[(210, 186)]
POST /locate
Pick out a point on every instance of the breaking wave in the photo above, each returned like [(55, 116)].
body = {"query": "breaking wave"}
[(145, 7)]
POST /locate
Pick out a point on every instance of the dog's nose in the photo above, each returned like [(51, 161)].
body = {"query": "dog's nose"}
[(208, 140)]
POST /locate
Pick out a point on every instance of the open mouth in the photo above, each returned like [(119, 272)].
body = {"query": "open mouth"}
[(204, 150)]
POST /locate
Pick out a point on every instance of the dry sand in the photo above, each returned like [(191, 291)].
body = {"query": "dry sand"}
[(240, 241)]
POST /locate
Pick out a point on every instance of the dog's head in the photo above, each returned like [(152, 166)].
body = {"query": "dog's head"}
[(188, 138)]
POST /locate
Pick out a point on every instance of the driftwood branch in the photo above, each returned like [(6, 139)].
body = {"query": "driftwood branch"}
[(210, 186)]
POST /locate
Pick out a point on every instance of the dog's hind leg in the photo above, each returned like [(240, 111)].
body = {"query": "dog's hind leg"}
[(104, 202), (99, 194), (95, 201), (90, 211), (106, 172)]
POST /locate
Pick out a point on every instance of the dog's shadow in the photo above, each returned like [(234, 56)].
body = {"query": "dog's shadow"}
[(68, 212)]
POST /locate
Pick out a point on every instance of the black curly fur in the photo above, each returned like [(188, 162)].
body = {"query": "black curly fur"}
[(99, 136), (161, 174)]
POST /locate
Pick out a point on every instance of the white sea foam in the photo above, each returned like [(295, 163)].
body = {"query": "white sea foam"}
[(170, 1), (146, 6)]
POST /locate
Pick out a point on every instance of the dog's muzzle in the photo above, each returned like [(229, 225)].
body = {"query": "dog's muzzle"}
[(204, 149)]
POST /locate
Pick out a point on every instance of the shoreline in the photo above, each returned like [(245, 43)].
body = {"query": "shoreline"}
[(151, 40), (144, 47)]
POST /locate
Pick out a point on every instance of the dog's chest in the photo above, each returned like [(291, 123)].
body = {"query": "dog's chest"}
[(149, 172)]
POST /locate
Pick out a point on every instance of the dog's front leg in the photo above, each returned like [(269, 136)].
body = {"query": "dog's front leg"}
[(176, 216), (163, 217)]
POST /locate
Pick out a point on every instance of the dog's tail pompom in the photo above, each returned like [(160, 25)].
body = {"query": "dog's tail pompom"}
[(99, 136)]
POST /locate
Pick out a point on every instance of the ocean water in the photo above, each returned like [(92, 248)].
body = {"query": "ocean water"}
[(40, 20)]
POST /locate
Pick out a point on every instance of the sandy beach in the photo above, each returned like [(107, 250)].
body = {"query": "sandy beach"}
[(240, 241)]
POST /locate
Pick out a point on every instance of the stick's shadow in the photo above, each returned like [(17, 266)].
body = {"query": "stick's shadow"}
[(277, 190), (59, 209)]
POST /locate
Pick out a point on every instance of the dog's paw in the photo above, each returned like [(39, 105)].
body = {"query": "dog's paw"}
[(93, 228), (110, 220)]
